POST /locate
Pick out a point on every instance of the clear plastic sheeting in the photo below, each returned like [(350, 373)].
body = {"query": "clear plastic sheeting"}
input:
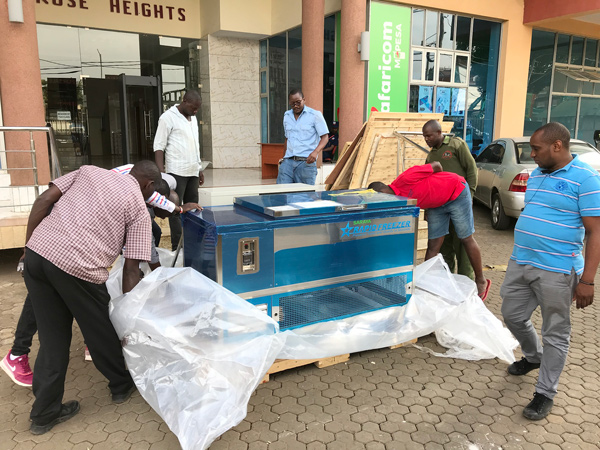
[(197, 351), (443, 303), (114, 284)]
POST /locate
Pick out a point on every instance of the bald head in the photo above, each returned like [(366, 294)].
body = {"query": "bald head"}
[(190, 104), (554, 131), (192, 96), (432, 132), (148, 176)]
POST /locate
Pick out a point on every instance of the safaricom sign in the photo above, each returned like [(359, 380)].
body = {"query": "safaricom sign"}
[(392, 53), (388, 66)]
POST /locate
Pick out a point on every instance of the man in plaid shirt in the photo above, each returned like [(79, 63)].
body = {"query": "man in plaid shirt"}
[(67, 255)]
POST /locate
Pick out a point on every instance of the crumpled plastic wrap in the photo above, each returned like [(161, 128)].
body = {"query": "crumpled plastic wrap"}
[(197, 351)]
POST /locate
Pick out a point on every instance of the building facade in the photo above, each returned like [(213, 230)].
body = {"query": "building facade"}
[(102, 72)]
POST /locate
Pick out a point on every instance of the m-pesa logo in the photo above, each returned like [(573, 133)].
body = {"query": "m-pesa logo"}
[(360, 228)]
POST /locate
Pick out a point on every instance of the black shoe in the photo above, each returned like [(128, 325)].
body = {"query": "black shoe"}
[(539, 407), (67, 411), (522, 367), (120, 398)]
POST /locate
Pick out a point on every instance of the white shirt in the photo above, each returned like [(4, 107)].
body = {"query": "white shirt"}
[(178, 138)]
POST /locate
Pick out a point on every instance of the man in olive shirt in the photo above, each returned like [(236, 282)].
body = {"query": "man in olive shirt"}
[(454, 156)]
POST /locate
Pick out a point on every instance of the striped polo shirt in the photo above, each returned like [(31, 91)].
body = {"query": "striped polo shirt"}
[(549, 233)]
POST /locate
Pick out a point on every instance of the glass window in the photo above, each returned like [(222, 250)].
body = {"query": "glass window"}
[(264, 119), (425, 99), (445, 68), (263, 82), (84, 93), (564, 110), (560, 82), (573, 86), (294, 60), (418, 26), (421, 99), (577, 51), (492, 154), (524, 153), (460, 69), (417, 65), (442, 101), (463, 33), (430, 67), (329, 70), (278, 102), (447, 31), (263, 53), (431, 29), (540, 76), (587, 88), (481, 96), (591, 48), (562, 48), (589, 119)]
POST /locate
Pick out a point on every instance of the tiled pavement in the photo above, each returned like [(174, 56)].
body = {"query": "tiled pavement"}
[(380, 399)]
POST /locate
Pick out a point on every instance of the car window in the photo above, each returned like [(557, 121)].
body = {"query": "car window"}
[(524, 151), (493, 154), (578, 149)]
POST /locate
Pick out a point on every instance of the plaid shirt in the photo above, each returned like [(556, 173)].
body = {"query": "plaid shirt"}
[(84, 233)]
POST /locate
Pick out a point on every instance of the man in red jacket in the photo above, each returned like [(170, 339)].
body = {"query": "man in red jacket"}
[(446, 197)]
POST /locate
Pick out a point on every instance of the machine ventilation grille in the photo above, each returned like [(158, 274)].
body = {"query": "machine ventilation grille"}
[(342, 301)]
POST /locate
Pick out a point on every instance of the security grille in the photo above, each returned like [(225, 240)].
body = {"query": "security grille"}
[(342, 301)]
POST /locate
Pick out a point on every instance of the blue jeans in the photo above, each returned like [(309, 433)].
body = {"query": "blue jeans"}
[(460, 210), (291, 171)]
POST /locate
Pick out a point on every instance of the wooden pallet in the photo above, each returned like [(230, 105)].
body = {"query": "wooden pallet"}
[(343, 159), (284, 364)]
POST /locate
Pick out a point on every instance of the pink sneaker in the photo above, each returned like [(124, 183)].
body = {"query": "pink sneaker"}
[(17, 368)]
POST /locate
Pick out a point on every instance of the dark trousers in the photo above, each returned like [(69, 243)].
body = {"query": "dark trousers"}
[(26, 328), (57, 298), (454, 254), (187, 190), (156, 233)]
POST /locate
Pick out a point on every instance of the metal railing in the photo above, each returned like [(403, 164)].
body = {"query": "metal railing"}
[(55, 170)]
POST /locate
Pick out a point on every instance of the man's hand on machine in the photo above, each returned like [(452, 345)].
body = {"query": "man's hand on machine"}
[(186, 207)]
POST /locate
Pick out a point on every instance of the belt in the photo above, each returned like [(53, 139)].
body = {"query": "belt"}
[(297, 158)]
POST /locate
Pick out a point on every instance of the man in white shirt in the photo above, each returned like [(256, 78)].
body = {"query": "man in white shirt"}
[(177, 152)]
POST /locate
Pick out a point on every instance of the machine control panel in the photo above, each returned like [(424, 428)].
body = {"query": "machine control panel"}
[(248, 256)]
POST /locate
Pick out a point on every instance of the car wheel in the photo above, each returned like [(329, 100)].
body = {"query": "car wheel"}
[(500, 221)]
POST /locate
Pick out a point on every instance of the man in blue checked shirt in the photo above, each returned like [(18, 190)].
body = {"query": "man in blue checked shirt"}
[(547, 267), (306, 135)]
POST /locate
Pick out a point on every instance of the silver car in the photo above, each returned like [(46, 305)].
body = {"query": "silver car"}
[(503, 168)]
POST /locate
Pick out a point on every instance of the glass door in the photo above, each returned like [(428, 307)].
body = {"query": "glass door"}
[(140, 110)]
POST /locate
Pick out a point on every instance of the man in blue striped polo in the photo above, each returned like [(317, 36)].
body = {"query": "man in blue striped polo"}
[(547, 267), (306, 134)]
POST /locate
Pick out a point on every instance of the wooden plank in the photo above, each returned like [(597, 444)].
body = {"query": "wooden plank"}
[(342, 161), (344, 150), (413, 341), (343, 179), (284, 364), (370, 161)]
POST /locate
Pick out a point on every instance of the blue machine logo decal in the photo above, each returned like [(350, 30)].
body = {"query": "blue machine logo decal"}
[(365, 228)]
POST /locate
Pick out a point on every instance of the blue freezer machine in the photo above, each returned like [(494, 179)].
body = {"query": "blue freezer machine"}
[(308, 257)]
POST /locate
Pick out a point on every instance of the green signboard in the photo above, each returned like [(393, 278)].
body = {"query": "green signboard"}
[(389, 57)]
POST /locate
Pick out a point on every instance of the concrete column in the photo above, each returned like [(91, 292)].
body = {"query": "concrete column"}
[(352, 70), (21, 93), (313, 44)]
